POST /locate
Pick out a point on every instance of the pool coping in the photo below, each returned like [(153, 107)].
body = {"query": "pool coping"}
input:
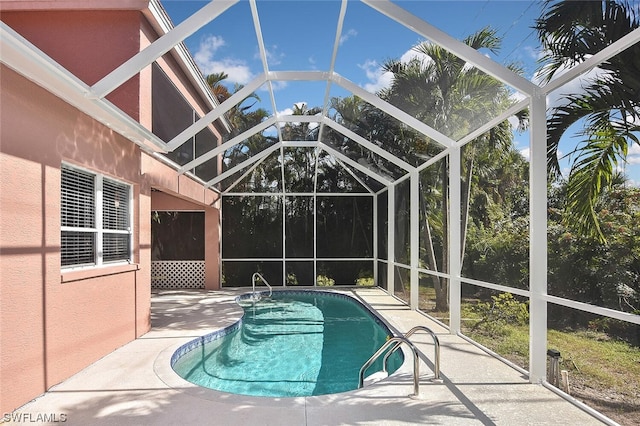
[(166, 359), (135, 384)]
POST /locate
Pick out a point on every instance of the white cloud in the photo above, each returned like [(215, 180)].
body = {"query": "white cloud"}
[(274, 56), (525, 152), (286, 111), (413, 54), (533, 53), (378, 78), (279, 84), (346, 36), (289, 111), (237, 70), (575, 87)]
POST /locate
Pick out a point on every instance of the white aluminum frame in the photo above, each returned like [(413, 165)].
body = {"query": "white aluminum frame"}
[(23, 57)]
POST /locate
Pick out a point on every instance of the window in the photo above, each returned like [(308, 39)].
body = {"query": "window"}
[(95, 219)]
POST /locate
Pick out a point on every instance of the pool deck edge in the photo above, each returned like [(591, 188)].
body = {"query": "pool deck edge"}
[(136, 385)]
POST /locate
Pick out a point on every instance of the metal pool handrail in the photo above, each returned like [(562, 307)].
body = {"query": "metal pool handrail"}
[(436, 343), (398, 340), (253, 283)]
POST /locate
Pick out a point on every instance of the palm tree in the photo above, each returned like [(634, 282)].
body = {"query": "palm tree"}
[(441, 90), (608, 107)]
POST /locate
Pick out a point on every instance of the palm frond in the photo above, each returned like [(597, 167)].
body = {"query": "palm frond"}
[(591, 175)]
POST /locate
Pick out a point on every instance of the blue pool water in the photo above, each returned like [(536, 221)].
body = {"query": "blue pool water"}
[(292, 344)]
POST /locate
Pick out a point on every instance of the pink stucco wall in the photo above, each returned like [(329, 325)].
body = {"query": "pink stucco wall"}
[(76, 39), (54, 323)]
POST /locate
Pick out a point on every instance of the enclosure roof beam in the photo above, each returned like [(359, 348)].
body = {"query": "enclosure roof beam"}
[(26, 59), (393, 111), (514, 109), (245, 163), (298, 75), (332, 66), (298, 118), (608, 52), (159, 47), (228, 145), (348, 170), (433, 160), (453, 45), (245, 174), (367, 144), (300, 144), (355, 164), (213, 115)]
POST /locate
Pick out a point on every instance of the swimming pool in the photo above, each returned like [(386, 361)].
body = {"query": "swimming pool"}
[(296, 343)]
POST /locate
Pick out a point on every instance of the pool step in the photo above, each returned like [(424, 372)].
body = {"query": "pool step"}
[(375, 377)]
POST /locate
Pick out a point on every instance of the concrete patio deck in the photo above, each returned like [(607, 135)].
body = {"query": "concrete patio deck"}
[(135, 383)]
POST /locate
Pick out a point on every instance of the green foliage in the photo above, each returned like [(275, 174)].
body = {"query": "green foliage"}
[(292, 279), (585, 269), (607, 107), (324, 281), (502, 310), (365, 278), (499, 252)]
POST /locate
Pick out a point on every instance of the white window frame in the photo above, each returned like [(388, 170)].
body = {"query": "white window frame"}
[(99, 230)]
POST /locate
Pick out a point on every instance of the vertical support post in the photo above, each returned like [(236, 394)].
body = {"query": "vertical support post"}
[(374, 199), (315, 237), (455, 242), (415, 239), (391, 239), (315, 220), (538, 239), (220, 254), (284, 221)]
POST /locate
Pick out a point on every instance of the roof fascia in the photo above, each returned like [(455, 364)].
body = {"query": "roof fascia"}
[(48, 5), (20, 55)]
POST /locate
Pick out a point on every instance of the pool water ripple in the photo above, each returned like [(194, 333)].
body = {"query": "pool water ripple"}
[(292, 344)]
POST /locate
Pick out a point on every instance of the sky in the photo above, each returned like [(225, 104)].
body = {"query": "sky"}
[(299, 35)]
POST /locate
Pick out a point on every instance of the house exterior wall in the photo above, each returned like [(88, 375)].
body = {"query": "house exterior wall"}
[(53, 322), (165, 202)]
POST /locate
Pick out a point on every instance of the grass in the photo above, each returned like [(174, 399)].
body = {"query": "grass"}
[(608, 362), (603, 372)]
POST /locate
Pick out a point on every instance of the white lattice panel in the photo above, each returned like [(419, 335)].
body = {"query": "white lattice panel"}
[(177, 274)]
